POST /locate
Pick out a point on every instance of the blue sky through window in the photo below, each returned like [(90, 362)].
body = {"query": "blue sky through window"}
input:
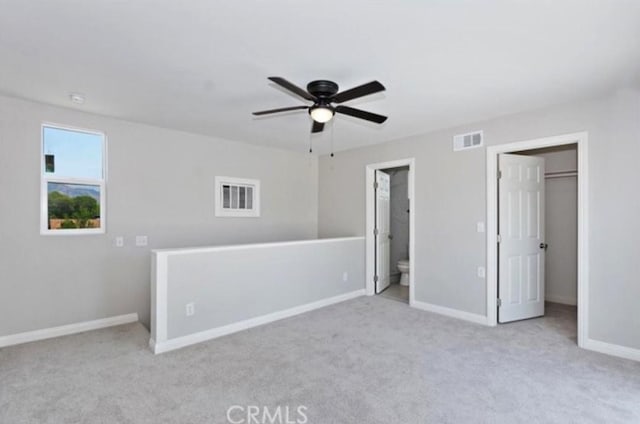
[(76, 154)]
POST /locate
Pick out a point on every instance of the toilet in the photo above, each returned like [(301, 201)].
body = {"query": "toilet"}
[(403, 267)]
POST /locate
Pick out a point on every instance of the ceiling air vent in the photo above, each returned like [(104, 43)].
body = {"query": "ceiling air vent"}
[(467, 141)]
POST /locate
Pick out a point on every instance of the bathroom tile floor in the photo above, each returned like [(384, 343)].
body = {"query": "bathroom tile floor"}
[(397, 292)]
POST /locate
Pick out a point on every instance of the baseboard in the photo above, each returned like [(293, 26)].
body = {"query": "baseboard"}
[(177, 343), (565, 300), (453, 313), (64, 330), (612, 349)]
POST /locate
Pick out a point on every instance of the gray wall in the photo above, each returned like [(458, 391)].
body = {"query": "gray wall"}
[(561, 218), (399, 219), (450, 199), (228, 286), (160, 184)]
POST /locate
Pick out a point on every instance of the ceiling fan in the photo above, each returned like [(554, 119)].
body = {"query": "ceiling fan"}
[(323, 93)]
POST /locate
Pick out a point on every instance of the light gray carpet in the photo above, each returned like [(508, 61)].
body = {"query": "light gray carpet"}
[(370, 360)]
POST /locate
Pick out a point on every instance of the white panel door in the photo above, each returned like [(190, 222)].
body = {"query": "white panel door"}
[(382, 230), (521, 229)]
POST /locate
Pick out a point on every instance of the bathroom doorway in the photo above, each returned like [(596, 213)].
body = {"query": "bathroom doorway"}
[(389, 238)]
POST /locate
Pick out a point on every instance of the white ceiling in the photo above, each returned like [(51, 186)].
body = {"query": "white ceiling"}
[(202, 65)]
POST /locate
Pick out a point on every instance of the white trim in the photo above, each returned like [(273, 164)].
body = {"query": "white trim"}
[(565, 300), (581, 139), (220, 211), (450, 312), (177, 343), (189, 250), (370, 222), (612, 349), (44, 180), (159, 295), (64, 330), (72, 128)]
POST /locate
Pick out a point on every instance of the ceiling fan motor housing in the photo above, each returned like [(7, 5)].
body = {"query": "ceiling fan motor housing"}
[(322, 88)]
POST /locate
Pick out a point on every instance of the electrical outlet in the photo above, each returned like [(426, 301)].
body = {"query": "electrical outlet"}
[(119, 241), (481, 272), (345, 276), (141, 241), (190, 309), (480, 227)]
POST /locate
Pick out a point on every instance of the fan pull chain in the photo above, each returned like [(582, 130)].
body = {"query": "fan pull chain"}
[(332, 124), (310, 144)]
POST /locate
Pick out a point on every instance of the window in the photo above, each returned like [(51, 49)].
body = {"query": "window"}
[(72, 193), (237, 197)]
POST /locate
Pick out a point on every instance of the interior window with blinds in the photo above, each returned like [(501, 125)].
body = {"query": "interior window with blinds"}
[(237, 197)]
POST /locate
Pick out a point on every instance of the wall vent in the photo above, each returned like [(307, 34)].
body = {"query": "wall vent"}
[(468, 141)]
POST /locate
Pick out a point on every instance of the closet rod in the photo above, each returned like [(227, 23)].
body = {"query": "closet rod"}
[(561, 174)]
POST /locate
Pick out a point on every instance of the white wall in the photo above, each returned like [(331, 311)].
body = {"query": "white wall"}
[(232, 285), (561, 219), (451, 198), (160, 184)]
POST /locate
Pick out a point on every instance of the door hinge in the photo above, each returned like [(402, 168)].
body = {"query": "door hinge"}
[(499, 302), (499, 174), (499, 238), (375, 232), (375, 185), (375, 278)]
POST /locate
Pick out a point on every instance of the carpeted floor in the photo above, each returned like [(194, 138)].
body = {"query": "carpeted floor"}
[(367, 361)]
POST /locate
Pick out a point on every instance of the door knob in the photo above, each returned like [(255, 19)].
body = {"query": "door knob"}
[(544, 246), (390, 236)]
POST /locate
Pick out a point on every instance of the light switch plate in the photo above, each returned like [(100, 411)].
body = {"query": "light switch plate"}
[(481, 272), (119, 241), (480, 227), (141, 241)]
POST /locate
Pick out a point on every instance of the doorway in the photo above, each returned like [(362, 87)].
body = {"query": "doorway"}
[(392, 233), (517, 242), (390, 211)]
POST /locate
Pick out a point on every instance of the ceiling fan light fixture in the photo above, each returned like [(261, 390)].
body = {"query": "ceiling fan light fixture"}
[(321, 114)]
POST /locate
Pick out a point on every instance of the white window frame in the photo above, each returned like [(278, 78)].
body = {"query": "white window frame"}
[(45, 180), (237, 213)]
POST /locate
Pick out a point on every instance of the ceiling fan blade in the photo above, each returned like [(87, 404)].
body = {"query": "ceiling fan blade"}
[(282, 109), (359, 91), (362, 114), (317, 127), (293, 88)]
